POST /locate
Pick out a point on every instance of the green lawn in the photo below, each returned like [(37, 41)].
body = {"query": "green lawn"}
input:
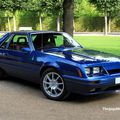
[(109, 44)]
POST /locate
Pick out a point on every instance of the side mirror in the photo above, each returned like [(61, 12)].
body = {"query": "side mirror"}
[(26, 49)]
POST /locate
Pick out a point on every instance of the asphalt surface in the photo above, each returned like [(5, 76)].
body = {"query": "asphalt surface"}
[(21, 100)]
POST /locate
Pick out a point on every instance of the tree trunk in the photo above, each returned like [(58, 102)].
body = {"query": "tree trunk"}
[(109, 25), (73, 26), (40, 20), (58, 23), (68, 6), (9, 26), (14, 21), (106, 25)]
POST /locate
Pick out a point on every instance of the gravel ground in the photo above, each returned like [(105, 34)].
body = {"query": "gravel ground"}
[(21, 100)]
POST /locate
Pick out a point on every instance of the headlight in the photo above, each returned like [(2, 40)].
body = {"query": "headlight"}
[(94, 71)]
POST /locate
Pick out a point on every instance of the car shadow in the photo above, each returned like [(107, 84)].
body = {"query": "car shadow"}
[(76, 98), (23, 82), (73, 98)]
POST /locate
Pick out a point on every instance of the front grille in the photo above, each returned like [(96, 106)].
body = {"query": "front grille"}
[(114, 71)]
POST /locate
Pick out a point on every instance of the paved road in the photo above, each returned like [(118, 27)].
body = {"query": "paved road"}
[(23, 101)]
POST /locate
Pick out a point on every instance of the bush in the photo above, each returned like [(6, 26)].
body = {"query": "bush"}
[(89, 24)]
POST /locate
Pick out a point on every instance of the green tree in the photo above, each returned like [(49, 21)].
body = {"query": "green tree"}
[(108, 8), (13, 6), (2, 21), (8, 14), (37, 7), (54, 8), (61, 7), (84, 8), (4, 7)]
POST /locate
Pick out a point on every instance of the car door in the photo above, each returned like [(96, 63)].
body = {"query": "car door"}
[(3, 52), (20, 60)]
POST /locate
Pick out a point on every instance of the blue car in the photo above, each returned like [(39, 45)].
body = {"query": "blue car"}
[(58, 63)]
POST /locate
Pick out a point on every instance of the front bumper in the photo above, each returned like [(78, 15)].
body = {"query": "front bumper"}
[(88, 87)]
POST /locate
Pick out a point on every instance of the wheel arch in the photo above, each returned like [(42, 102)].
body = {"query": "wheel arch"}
[(64, 94), (44, 68)]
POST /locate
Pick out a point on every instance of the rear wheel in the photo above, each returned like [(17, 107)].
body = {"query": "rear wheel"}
[(53, 85)]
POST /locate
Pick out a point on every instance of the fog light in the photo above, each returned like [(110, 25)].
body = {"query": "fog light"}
[(95, 82), (93, 90)]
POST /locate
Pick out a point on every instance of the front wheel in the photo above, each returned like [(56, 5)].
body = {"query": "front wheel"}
[(53, 85)]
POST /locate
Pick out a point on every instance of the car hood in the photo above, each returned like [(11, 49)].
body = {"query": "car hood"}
[(85, 55)]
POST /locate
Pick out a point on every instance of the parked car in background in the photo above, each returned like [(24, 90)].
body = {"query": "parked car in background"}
[(58, 63)]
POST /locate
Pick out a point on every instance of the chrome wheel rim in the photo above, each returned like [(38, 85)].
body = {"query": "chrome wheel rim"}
[(53, 84)]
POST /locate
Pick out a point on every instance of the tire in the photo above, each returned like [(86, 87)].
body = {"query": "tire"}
[(53, 85)]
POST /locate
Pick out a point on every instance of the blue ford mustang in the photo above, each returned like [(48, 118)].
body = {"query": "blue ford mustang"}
[(58, 63)]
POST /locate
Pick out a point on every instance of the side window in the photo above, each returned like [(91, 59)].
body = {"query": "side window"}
[(48, 41), (34, 37), (62, 41), (18, 42), (37, 39), (5, 42), (59, 40)]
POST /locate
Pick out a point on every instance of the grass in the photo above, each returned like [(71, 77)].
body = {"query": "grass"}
[(109, 44)]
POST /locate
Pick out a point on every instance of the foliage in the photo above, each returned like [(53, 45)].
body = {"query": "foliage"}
[(53, 7), (49, 7), (33, 5), (107, 7), (24, 19), (84, 8), (89, 24), (2, 21), (12, 5)]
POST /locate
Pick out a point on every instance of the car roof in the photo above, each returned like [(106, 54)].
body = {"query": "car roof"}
[(34, 32), (7, 34)]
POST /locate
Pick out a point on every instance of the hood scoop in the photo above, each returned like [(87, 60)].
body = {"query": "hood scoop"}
[(78, 57)]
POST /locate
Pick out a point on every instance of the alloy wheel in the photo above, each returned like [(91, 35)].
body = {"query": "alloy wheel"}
[(53, 84)]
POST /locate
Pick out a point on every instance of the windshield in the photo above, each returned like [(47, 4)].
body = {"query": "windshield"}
[(53, 40)]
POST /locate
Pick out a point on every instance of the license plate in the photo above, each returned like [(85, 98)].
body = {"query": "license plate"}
[(117, 81)]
